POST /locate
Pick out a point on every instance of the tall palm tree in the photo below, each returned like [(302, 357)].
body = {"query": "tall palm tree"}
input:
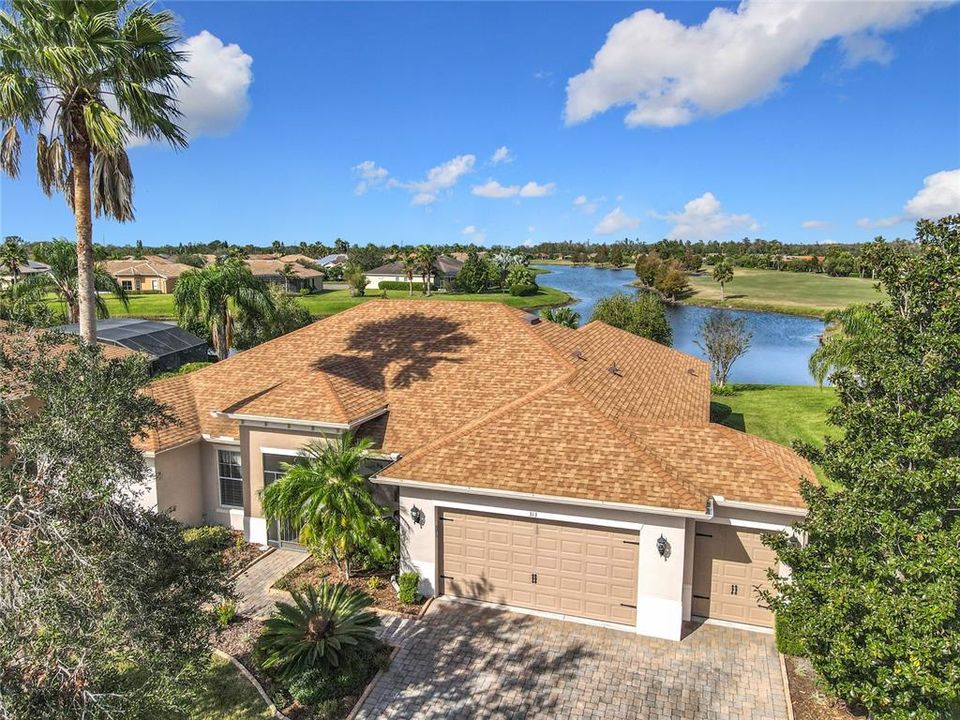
[(328, 502), (62, 280), (210, 295), (427, 256), (85, 77), (722, 273), (408, 263), (13, 255)]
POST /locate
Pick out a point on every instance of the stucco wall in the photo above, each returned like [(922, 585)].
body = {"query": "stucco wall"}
[(178, 483)]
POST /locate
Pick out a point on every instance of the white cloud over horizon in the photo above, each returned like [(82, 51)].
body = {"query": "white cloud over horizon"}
[(939, 197), (703, 218), (586, 205), (215, 100), (501, 155), (475, 235), (439, 178), (615, 221), (494, 190), (671, 74), (815, 224), (370, 175)]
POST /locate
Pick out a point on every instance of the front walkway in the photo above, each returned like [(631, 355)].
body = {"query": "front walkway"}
[(463, 661), (253, 584)]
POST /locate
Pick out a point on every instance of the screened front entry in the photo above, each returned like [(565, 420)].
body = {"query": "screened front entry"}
[(280, 533)]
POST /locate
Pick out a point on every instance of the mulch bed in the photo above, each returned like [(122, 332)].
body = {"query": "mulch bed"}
[(809, 702), (314, 571), (240, 553)]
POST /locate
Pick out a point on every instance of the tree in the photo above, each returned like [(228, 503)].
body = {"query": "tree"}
[(642, 315), (287, 272), (366, 257), (104, 604), (562, 316), (671, 280), (328, 627), (846, 332), (408, 263), (63, 279), (329, 502), (357, 281), (601, 257), (722, 273), (874, 594), (647, 267), (107, 72), (616, 257), (427, 256), (341, 246), (286, 316), (277, 248), (13, 255), (724, 339), (473, 276), (210, 296), (839, 263)]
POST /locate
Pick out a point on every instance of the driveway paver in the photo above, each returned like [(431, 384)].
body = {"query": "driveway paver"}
[(464, 661), (253, 584)]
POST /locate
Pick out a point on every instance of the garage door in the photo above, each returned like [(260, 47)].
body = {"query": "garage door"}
[(728, 565), (557, 567)]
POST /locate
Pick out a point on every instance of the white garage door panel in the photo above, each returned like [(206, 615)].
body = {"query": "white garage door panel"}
[(580, 570)]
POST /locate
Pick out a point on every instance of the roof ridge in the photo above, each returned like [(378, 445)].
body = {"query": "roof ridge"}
[(529, 329), (746, 440)]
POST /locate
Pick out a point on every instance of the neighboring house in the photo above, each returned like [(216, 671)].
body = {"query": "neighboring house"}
[(574, 472), (153, 275), (393, 272), (31, 267), (165, 344), (271, 271), (331, 260)]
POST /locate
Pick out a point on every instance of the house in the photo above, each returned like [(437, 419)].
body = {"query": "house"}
[(146, 275), (273, 271), (573, 472), (393, 272), (166, 345), (31, 267), (331, 260)]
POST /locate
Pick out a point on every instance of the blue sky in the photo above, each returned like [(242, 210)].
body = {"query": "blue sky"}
[(380, 123)]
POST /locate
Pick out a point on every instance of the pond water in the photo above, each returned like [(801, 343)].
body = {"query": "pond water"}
[(779, 350)]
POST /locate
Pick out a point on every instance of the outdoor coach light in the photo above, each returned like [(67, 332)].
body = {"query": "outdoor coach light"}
[(417, 515), (663, 547)]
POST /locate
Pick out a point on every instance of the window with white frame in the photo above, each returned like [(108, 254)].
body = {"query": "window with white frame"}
[(231, 478)]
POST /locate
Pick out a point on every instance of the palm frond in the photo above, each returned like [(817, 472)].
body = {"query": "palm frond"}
[(113, 185), (10, 152)]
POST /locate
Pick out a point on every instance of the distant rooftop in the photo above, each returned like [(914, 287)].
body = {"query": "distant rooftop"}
[(167, 344)]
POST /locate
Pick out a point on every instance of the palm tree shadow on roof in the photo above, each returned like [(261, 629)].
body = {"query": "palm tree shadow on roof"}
[(413, 343)]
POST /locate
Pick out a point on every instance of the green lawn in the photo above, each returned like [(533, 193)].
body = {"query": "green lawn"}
[(330, 302), (782, 413), (227, 695), (788, 292)]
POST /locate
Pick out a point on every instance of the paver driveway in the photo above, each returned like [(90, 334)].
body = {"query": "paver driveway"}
[(463, 661)]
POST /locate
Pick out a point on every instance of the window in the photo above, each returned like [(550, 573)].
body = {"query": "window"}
[(231, 479), (126, 284)]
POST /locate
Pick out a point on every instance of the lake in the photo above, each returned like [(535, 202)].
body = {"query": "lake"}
[(779, 350)]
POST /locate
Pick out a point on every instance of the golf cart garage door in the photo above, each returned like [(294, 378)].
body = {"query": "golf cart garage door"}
[(729, 564), (556, 567)]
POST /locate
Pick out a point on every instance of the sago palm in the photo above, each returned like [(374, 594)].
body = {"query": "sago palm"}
[(328, 502), (62, 280), (86, 77), (210, 295), (326, 627)]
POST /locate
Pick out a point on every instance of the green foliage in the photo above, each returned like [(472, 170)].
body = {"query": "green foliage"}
[(374, 582), (226, 612), (520, 276), (326, 627), (646, 268), (524, 290), (209, 538), (562, 316), (365, 257), (400, 285), (474, 276), (839, 263), (182, 370), (191, 259), (319, 685), (789, 641), (354, 277), (848, 331), (875, 590), (671, 280), (329, 503), (642, 315), (409, 583), (95, 587), (285, 316), (722, 273)]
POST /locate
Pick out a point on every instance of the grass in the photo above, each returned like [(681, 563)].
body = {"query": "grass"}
[(782, 413), (787, 292), (227, 695), (330, 302)]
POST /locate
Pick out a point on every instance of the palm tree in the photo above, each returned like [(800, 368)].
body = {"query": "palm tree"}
[(562, 316), (722, 273), (277, 248), (62, 280), (287, 272), (210, 295), (327, 500), (13, 255), (846, 333), (427, 256), (95, 74), (408, 263), (325, 627)]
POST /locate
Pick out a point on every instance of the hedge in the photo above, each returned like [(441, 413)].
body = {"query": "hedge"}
[(399, 285), (789, 641), (525, 289)]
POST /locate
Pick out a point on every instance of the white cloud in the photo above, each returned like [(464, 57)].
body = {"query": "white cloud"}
[(703, 218), (671, 73), (493, 189), (587, 206), (872, 224), (529, 242), (469, 230), (501, 155), (815, 224), (865, 47), (475, 235), (939, 197), (439, 178), (370, 175), (215, 100), (615, 221)]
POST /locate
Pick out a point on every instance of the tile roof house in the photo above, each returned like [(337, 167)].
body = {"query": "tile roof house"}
[(272, 271), (573, 472), (149, 274), (31, 267), (393, 272)]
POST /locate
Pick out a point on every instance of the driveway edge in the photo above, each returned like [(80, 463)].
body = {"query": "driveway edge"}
[(786, 685)]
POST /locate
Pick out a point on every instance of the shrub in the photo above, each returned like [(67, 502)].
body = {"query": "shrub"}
[(322, 686), (400, 285), (226, 612), (789, 640), (520, 275), (524, 290), (643, 315), (212, 538), (305, 291), (326, 627), (408, 582), (374, 583)]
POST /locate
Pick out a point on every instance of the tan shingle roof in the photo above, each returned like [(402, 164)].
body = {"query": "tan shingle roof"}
[(152, 268), (262, 267), (478, 396)]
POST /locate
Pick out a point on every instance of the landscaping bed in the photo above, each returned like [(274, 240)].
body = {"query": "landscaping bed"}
[(234, 550), (373, 582), (809, 702)]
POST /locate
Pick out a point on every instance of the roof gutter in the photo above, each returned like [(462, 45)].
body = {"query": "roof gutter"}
[(301, 423), (739, 505), (493, 492)]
